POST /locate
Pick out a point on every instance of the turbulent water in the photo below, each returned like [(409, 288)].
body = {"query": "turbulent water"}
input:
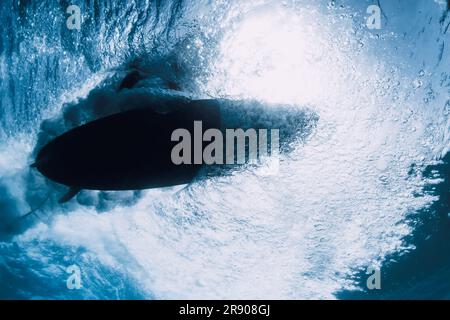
[(365, 186)]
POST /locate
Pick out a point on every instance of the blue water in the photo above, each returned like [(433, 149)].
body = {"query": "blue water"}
[(366, 185)]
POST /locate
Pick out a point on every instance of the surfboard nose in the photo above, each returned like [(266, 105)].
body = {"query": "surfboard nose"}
[(47, 163), (40, 163)]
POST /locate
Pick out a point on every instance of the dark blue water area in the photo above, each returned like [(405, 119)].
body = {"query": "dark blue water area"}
[(24, 277), (423, 273)]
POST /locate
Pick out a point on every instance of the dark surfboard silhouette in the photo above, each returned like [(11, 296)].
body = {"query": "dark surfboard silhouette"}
[(125, 151), (131, 150)]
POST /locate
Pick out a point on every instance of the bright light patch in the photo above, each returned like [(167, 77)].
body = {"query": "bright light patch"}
[(274, 55)]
